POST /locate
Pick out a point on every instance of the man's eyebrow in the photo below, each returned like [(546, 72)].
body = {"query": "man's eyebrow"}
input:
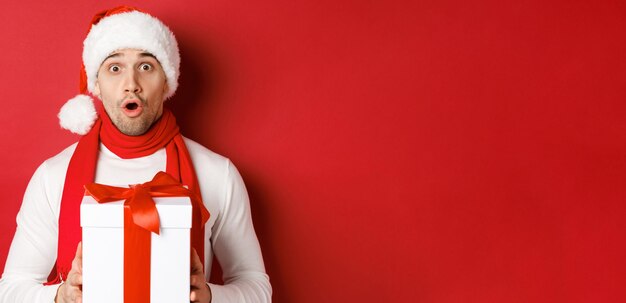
[(143, 54), (112, 56), (146, 54)]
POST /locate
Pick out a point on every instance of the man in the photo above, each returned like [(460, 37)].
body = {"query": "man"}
[(131, 63)]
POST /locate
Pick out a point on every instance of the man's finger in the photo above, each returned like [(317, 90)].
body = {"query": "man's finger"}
[(196, 281), (75, 295), (77, 262), (79, 250), (79, 256), (196, 264), (75, 280), (78, 278)]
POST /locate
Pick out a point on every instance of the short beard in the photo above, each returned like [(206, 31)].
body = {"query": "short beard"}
[(136, 127), (129, 128)]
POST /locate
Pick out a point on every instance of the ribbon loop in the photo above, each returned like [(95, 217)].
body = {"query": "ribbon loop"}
[(139, 198)]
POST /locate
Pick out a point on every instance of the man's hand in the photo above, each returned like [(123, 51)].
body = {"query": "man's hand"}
[(71, 290), (200, 291)]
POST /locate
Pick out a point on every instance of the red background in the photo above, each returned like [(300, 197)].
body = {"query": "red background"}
[(394, 151)]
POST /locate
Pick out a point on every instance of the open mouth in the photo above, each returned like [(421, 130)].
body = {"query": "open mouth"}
[(132, 107)]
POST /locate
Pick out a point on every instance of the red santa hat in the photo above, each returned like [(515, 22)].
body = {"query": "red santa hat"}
[(111, 30)]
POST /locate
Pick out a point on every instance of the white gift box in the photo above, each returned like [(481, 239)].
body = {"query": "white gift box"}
[(103, 251)]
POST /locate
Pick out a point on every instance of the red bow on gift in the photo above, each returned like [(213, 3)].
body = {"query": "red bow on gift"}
[(139, 198), (141, 218)]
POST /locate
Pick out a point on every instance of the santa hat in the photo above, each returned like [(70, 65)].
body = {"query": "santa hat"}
[(110, 30)]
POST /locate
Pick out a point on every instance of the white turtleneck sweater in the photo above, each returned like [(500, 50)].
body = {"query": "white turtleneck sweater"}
[(229, 232)]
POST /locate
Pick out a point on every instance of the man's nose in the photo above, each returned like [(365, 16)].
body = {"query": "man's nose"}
[(131, 82)]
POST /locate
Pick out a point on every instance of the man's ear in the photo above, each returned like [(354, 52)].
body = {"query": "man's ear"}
[(96, 90), (165, 88)]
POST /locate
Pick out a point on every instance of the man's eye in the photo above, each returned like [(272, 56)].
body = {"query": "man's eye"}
[(145, 67), (114, 68)]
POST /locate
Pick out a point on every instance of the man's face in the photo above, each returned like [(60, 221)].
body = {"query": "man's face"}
[(131, 84)]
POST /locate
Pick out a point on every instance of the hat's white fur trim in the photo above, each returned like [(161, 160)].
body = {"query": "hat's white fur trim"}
[(78, 114), (131, 30)]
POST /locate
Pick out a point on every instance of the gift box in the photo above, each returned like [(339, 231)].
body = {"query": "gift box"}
[(103, 251)]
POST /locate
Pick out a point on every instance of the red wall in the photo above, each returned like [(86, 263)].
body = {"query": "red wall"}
[(394, 151)]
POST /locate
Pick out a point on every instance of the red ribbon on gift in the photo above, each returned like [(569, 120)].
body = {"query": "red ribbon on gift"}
[(140, 219)]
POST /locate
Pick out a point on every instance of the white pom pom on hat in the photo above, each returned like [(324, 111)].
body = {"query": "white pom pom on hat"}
[(78, 114), (110, 30)]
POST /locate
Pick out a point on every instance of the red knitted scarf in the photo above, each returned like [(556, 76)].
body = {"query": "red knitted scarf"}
[(82, 169)]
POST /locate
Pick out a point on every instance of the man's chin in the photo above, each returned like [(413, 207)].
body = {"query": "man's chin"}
[(133, 132), (132, 126)]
